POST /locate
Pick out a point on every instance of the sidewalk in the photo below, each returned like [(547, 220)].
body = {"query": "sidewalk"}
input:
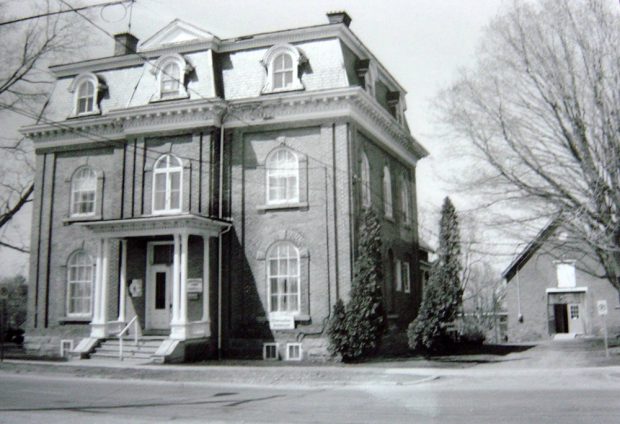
[(298, 374), (546, 358)]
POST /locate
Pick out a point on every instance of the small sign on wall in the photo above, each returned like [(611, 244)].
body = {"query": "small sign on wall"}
[(601, 307), (194, 285), (281, 322), (135, 288)]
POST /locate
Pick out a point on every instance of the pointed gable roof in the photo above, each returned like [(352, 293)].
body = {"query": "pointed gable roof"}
[(175, 33)]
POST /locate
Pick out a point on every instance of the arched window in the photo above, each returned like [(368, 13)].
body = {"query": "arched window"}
[(171, 71), (365, 186), (387, 192), (83, 191), (282, 68), (283, 278), (170, 80), (167, 183), (79, 284), (282, 71), (86, 89), (282, 177), (86, 97), (404, 200)]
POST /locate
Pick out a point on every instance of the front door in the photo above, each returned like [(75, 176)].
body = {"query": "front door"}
[(561, 318), (159, 297), (575, 320)]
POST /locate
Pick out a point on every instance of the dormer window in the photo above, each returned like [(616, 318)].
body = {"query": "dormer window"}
[(169, 80), (366, 72), (171, 73), (87, 89), (282, 71), (396, 105), (281, 64), (86, 97)]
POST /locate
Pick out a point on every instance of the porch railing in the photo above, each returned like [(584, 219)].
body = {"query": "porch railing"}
[(134, 322)]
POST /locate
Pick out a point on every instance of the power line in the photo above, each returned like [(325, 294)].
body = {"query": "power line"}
[(59, 12)]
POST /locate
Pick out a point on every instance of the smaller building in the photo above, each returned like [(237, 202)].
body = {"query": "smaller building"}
[(554, 287)]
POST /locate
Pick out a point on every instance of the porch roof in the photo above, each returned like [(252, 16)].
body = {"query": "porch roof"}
[(157, 226)]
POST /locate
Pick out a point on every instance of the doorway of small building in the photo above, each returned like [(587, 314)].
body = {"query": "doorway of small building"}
[(575, 320), (158, 306), (561, 318), (568, 318)]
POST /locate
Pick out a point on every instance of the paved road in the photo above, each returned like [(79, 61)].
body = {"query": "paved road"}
[(590, 396)]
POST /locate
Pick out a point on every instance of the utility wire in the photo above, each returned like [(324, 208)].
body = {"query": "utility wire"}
[(59, 12)]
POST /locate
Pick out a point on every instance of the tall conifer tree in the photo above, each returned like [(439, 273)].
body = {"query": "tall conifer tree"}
[(364, 319), (443, 292)]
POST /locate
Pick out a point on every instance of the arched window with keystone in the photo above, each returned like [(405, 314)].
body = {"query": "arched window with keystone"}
[(282, 64), (387, 193), (83, 191), (365, 182), (282, 177), (79, 284), (167, 185), (283, 278)]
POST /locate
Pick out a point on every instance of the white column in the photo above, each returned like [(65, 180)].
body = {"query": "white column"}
[(122, 295), (183, 308), (104, 280), (175, 280), (97, 289), (99, 323), (205, 278)]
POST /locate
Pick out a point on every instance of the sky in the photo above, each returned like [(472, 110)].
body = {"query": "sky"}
[(423, 44)]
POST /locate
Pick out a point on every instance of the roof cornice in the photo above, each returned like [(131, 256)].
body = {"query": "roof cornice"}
[(350, 103), (121, 123)]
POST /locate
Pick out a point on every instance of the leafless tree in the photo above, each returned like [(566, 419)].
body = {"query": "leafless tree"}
[(27, 48), (540, 110)]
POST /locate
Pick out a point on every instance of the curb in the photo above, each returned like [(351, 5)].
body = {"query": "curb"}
[(313, 376)]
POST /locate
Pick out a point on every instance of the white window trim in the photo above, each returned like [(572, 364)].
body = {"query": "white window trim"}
[(277, 347), (405, 204), (268, 277), (365, 182), (75, 89), (158, 70), (268, 172), (398, 275), (301, 351), (268, 64), (167, 210), (388, 202), (406, 277), (72, 211), (68, 284)]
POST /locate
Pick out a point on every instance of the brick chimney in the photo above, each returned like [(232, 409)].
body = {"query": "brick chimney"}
[(339, 17), (125, 43)]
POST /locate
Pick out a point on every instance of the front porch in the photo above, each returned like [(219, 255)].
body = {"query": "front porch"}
[(164, 277)]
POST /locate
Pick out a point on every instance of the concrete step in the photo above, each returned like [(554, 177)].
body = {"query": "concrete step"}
[(131, 343), (114, 355), (146, 347)]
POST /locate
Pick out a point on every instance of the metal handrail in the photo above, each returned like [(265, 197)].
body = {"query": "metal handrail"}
[(123, 331)]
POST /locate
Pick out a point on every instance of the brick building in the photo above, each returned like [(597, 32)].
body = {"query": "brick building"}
[(212, 188), (552, 289)]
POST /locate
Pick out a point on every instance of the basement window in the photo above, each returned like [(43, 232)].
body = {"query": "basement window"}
[(270, 351), (293, 352)]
